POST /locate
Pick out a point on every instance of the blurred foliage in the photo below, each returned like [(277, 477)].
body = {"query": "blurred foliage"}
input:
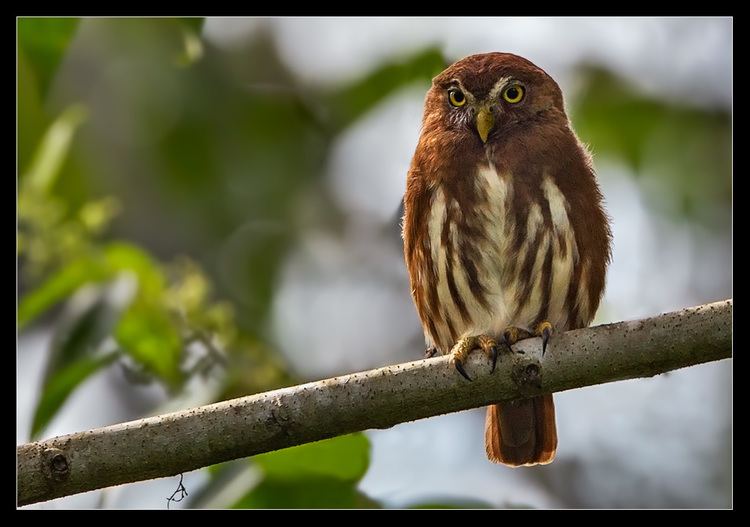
[(61, 252), (344, 458), (63, 256), (44, 41), (162, 182), (323, 474), (684, 150), (351, 102), (41, 45)]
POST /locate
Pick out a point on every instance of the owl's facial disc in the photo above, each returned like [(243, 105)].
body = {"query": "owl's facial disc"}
[(488, 107)]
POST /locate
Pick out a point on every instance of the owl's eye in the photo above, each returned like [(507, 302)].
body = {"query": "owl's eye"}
[(456, 97), (513, 94)]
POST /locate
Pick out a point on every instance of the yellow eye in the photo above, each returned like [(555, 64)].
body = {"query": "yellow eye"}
[(456, 97), (513, 94)]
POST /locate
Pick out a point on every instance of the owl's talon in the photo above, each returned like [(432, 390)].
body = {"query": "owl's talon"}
[(545, 339), (544, 329), (461, 370), (430, 352), (466, 345)]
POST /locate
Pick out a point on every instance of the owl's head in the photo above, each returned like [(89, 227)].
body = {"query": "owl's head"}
[(488, 95)]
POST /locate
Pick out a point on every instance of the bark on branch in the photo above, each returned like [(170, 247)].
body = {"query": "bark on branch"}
[(170, 444)]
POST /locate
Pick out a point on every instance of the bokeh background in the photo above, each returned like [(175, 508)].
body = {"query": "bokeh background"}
[(209, 208)]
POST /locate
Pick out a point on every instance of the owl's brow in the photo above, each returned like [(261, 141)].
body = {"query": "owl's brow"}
[(500, 83), (466, 92)]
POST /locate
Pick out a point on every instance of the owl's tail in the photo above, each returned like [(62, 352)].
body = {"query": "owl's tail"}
[(521, 432)]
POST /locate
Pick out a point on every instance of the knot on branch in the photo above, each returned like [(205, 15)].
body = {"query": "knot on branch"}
[(528, 376), (56, 465)]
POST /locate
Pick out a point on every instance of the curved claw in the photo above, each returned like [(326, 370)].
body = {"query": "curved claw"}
[(461, 370), (493, 351), (430, 352), (546, 332)]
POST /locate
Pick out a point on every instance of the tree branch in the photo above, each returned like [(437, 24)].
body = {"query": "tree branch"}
[(170, 444)]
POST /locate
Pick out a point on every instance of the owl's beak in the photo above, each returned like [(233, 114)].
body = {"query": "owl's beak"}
[(485, 122)]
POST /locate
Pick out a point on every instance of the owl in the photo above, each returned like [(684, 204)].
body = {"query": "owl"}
[(505, 234)]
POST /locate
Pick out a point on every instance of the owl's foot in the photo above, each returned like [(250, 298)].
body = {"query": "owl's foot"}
[(466, 345), (430, 352), (513, 334)]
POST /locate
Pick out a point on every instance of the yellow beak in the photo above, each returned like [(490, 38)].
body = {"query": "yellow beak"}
[(485, 122)]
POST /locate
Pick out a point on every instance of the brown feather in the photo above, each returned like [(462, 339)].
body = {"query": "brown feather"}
[(521, 433)]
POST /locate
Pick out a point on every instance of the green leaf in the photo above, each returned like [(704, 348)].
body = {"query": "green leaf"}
[(53, 149), (192, 45), (32, 120), (351, 103), (76, 351), (147, 333), (145, 330), (117, 257), (683, 149), (344, 458), (61, 384), (122, 256), (614, 117), (194, 23), (44, 41), (58, 287), (305, 493), (323, 474)]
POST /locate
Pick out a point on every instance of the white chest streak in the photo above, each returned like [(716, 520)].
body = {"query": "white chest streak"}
[(565, 250), (491, 213), (436, 221)]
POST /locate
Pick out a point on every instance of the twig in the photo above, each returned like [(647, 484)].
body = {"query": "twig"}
[(181, 489)]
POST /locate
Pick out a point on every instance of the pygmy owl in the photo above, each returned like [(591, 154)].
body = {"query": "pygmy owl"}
[(505, 236)]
